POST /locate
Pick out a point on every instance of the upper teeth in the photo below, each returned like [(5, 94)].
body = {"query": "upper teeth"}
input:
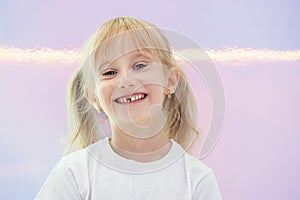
[(131, 98)]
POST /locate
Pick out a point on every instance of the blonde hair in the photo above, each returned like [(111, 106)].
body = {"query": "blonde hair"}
[(85, 127)]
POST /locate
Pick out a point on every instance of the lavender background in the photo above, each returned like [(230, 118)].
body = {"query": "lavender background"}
[(256, 156)]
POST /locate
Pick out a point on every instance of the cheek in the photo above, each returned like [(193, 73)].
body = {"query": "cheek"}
[(105, 93), (155, 76), (161, 95), (156, 81), (157, 93)]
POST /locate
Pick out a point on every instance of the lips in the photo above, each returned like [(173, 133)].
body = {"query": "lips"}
[(131, 98)]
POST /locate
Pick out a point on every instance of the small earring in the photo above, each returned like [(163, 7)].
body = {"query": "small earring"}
[(170, 94), (98, 109)]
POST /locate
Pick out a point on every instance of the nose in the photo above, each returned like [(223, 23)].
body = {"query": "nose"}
[(127, 80)]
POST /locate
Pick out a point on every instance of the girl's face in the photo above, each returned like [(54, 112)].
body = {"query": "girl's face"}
[(131, 89)]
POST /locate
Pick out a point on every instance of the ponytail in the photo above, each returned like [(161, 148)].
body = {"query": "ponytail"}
[(82, 117), (182, 114)]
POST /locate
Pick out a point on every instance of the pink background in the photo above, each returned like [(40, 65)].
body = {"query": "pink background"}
[(256, 156)]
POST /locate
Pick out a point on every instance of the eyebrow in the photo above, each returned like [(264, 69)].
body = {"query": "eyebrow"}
[(140, 55)]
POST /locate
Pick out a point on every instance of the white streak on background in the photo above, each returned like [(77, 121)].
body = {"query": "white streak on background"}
[(41, 55), (69, 56), (240, 56)]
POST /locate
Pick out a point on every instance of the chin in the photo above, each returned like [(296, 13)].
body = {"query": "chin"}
[(135, 120)]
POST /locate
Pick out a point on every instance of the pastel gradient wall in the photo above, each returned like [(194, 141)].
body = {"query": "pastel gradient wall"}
[(255, 46)]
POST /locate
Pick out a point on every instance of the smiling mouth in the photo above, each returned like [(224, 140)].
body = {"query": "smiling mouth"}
[(132, 98)]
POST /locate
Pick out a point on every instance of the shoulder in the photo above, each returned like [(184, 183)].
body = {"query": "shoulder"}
[(196, 167), (204, 183), (68, 176), (83, 156), (64, 180), (74, 157)]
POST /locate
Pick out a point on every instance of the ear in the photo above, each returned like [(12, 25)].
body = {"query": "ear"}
[(173, 80), (92, 99)]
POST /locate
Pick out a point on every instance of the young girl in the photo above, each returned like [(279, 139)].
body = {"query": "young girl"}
[(129, 76)]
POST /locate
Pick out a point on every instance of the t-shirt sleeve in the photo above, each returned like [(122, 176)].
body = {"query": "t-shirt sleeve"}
[(207, 188), (60, 184)]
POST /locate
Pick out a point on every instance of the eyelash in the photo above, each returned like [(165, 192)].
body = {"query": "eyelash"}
[(108, 73), (112, 72), (143, 65)]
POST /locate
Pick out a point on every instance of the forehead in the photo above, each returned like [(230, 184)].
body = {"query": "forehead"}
[(126, 59), (132, 42), (124, 52), (136, 54)]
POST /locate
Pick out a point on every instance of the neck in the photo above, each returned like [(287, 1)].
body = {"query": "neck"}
[(139, 149)]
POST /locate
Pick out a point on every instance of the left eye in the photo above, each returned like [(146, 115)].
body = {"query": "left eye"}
[(139, 66)]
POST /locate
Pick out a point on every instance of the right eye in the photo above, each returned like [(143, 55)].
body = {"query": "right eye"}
[(109, 73)]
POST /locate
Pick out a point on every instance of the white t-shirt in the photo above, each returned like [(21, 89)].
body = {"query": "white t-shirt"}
[(97, 172)]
